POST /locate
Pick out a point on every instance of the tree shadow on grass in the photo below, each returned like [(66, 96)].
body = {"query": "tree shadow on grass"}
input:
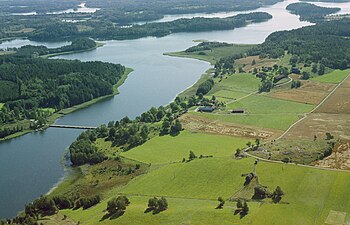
[(240, 212), (154, 211), (112, 216)]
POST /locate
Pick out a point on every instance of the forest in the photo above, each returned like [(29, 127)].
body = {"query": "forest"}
[(310, 12), (29, 84), (326, 43), (121, 12), (103, 30)]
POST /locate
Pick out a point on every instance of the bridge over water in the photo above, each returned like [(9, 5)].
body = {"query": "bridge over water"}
[(73, 126)]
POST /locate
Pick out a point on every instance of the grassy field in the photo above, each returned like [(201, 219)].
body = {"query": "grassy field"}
[(334, 77), (281, 121), (242, 83), (168, 149), (1, 105), (214, 54), (191, 189), (258, 104)]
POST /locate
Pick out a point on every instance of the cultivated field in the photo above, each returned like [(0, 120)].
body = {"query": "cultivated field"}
[(226, 125), (309, 93)]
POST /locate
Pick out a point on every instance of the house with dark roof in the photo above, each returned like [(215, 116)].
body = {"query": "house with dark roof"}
[(237, 111), (206, 109)]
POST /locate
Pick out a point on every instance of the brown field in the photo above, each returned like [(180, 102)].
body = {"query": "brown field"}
[(200, 124), (320, 123), (332, 116), (310, 92), (340, 158), (338, 102), (247, 62)]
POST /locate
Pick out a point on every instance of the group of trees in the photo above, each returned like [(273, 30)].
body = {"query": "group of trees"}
[(157, 205), (261, 192), (83, 150), (46, 206), (295, 84), (205, 87), (242, 207), (117, 205)]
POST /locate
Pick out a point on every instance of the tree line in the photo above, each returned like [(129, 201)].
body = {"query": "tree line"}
[(30, 85)]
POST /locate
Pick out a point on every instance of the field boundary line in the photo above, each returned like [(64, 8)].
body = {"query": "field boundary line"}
[(291, 126), (314, 109)]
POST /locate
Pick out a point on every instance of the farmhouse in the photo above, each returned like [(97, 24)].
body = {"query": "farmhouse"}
[(278, 78), (237, 111), (206, 109)]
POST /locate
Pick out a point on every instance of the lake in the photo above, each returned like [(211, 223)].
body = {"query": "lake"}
[(32, 164)]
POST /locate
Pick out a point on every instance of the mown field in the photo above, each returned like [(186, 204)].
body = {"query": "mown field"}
[(191, 189), (243, 83), (168, 149), (281, 121), (258, 104), (335, 76)]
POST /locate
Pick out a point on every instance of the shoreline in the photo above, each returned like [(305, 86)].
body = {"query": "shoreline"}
[(203, 76), (52, 119), (98, 45)]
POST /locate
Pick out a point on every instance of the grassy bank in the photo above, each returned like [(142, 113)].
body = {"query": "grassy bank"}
[(51, 119)]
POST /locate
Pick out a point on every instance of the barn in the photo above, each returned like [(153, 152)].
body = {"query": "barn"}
[(237, 111)]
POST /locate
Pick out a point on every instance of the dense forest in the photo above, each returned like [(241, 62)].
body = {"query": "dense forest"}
[(326, 43), (105, 31), (310, 12), (29, 84), (122, 12)]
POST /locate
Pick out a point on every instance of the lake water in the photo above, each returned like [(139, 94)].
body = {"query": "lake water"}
[(31, 164), (22, 42), (80, 9)]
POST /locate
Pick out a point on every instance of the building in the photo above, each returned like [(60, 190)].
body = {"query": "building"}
[(206, 109), (237, 111)]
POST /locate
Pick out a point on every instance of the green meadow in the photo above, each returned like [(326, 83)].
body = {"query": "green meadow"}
[(334, 77), (281, 121), (259, 104), (168, 149), (242, 82), (191, 189)]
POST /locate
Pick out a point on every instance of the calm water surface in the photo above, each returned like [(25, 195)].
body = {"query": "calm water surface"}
[(31, 164)]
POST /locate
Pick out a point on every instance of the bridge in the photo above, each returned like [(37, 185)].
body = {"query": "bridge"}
[(73, 127)]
